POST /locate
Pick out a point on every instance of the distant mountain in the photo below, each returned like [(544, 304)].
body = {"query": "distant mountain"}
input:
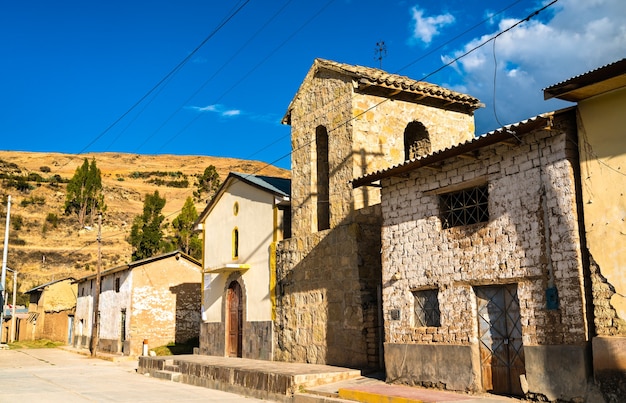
[(45, 244)]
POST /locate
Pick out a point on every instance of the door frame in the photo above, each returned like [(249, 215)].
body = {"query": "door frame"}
[(502, 342), (234, 293)]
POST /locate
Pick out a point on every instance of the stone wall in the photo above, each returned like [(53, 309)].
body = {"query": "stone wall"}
[(527, 183), (326, 303), (213, 338)]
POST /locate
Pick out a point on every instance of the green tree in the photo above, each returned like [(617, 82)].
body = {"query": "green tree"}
[(207, 184), (146, 234), (185, 237), (84, 193)]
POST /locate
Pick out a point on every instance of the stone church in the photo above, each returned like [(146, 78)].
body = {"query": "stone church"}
[(347, 121)]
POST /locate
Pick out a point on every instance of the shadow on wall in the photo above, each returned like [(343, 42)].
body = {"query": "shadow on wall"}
[(327, 297), (188, 298)]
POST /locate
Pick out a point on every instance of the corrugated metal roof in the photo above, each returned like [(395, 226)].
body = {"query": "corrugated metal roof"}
[(572, 89), (502, 134), (277, 186), (280, 186)]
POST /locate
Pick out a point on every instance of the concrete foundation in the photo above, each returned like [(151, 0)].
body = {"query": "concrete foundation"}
[(558, 372), (449, 367), (609, 363)]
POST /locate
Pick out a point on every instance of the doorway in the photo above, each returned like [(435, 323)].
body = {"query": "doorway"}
[(234, 324), (500, 339)]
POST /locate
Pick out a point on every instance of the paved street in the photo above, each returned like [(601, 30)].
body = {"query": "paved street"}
[(54, 375)]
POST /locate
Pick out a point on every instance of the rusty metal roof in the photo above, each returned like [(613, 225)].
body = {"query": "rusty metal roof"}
[(507, 133), (391, 85)]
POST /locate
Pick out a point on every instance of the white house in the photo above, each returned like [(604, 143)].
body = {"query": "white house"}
[(241, 226)]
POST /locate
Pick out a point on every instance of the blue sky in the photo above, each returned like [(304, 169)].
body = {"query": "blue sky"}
[(71, 70)]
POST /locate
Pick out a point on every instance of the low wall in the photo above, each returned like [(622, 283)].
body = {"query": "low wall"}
[(442, 366)]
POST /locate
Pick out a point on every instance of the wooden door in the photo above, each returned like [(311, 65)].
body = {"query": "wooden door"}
[(500, 335), (234, 320)]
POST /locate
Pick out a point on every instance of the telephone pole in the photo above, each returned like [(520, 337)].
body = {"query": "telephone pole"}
[(96, 295), (3, 277)]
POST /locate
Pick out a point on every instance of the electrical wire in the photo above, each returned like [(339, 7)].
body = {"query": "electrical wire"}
[(449, 63)]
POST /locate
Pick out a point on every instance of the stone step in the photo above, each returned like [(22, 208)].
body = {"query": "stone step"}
[(172, 367), (256, 378), (167, 375)]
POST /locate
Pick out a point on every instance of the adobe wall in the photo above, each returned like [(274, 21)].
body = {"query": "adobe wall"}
[(163, 292), (510, 249)]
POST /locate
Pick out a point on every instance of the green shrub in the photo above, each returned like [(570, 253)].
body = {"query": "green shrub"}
[(53, 219), (16, 222), (44, 169)]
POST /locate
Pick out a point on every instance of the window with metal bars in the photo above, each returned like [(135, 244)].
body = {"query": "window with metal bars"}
[(466, 207), (426, 308)]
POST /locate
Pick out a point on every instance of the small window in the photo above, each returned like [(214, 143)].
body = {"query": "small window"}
[(236, 208), (426, 308), (466, 207), (235, 243), (117, 284)]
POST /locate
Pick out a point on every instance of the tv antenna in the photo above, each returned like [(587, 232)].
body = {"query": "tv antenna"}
[(380, 51)]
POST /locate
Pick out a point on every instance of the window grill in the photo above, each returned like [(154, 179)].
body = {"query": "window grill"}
[(466, 207), (426, 307)]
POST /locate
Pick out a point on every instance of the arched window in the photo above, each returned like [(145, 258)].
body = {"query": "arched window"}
[(323, 193), (235, 243), (416, 141)]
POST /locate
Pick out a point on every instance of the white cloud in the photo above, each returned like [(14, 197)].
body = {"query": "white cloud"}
[(217, 108), (425, 28), (580, 35)]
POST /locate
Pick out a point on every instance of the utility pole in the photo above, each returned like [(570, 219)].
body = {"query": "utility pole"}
[(13, 318), (96, 295), (4, 264), (380, 51)]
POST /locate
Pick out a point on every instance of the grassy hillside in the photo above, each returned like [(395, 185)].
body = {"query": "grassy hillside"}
[(45, 244)]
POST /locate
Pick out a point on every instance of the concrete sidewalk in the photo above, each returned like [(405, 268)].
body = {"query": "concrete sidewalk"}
[(371, 390)]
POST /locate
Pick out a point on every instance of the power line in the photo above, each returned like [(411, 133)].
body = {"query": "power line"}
[(536, 12), (169, 75), (253, 69)]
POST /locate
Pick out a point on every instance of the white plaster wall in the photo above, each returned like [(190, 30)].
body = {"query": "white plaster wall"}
[(111, 304), (255, 222), (84, 304)]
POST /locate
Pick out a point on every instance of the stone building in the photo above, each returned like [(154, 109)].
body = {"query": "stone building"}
[(240, 227), (601, 100), (484, 278), (346, 121), (50, 312), (155, 299)]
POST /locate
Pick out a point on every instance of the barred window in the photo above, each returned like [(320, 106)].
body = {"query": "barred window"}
[(426, 308), (469, 206)]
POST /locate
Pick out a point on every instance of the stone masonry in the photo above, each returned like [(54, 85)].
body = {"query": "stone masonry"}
[(328, 281)]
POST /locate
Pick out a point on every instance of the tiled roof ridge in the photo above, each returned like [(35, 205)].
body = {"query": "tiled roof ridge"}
[(381, 77)]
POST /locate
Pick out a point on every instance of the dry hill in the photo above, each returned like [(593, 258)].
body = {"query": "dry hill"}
[(45, 244)]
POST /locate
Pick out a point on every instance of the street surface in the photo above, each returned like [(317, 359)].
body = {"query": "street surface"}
[(53, 375)]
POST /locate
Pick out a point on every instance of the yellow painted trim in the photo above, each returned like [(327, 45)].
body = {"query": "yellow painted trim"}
[(273, 279), (369, 397), (275, 223)]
